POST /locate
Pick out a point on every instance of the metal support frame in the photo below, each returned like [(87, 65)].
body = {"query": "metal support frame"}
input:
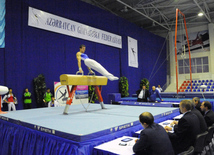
[(176, 60), (71, 94), (143, 14), (208, 18), (1, 112)]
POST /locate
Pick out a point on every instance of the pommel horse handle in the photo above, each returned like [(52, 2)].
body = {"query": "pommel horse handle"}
[(75, 80), (77, 73)]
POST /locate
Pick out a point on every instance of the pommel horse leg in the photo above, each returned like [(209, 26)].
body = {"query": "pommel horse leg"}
[(1, 112), (98, 92), (70, 98)]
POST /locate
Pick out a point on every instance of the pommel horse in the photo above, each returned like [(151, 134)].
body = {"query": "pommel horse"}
[(75, 80), (3, 90)]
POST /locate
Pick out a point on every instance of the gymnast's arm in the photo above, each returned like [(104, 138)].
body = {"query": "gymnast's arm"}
[(78, 55), (90, 71)]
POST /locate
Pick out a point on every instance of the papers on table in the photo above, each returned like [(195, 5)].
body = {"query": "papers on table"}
[(115, 147), (169, 103), (163, 124), (178, 117), (138, 132)]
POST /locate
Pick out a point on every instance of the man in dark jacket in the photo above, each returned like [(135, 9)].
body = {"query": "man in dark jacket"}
[(187, 129), (206, 107), (203, 125), (142, 94), (197, 103), (153, 139)]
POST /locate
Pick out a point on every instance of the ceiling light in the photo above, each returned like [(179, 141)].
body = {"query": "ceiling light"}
[(200, 14), (125, 9)]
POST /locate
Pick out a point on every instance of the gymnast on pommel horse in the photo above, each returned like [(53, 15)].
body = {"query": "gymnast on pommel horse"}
[(96, 81), (90, 63)]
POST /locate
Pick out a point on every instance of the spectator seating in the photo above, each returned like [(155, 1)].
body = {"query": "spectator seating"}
[(186, 85)]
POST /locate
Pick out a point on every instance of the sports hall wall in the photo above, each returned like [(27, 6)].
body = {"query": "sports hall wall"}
[(198, 53), (30, 51)]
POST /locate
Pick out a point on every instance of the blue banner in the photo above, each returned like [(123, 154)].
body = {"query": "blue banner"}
[(2, 23)]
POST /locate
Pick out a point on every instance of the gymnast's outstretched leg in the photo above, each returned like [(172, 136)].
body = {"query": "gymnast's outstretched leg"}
[(99, 68)]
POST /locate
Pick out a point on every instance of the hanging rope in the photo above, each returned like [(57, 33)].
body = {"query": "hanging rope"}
[(158, 56)]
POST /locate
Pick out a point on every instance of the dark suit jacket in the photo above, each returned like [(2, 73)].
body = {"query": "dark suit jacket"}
[(198, 106), (209, 118), (146, 96), (185, 133), (153, 141), (203, 125)]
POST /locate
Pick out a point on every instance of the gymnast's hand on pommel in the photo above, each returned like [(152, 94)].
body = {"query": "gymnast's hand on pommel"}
[(80, 70), (90, 71)]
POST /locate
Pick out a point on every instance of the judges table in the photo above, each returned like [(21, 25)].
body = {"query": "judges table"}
[(163, 124), (116, 146)]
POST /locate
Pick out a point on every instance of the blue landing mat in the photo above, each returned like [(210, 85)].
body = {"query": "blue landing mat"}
[(80, 125), (133, 101)]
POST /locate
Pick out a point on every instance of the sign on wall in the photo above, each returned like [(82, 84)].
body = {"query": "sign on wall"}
[(50, 22), (198, 41), (132, 52)]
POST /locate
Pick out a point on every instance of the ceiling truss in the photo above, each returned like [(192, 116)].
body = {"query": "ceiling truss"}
[(159, 15)]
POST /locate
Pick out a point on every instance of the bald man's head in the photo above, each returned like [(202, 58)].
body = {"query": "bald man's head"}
[(147, 118)]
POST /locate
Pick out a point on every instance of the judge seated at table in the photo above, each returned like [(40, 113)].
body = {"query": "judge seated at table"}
[(186, 130), (206, 107), (153, 139)]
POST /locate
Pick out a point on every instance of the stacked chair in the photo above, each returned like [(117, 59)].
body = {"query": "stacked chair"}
[(209, 142), (204, 144)]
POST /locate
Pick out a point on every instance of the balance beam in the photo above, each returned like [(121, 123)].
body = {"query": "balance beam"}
[(69, 79), (74, 80)]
